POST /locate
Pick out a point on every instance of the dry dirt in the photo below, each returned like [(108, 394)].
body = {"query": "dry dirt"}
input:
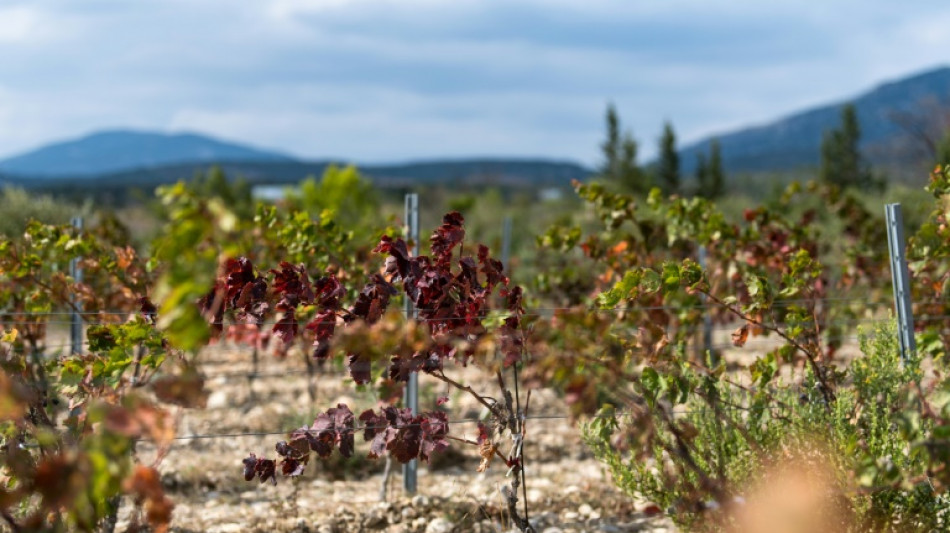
[(567, 489)]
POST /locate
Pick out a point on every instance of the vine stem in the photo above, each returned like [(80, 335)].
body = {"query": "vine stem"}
[(473, 443), (387, 473), (683, 450), (737, 385), (137, 369), (521, 423), (51, 290), (826, 390), (11, 521), (481, 399)]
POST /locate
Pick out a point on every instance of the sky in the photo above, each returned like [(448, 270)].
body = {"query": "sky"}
[(374, 81)]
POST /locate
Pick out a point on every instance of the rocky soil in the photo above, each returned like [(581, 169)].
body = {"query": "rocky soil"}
[(567, 489)]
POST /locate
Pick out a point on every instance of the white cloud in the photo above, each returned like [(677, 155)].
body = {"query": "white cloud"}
[(390, 125), (19, 24), (29, 25), (397, 79)]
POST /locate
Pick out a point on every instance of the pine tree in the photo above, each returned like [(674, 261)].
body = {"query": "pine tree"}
[(668, 167), (841, 162)]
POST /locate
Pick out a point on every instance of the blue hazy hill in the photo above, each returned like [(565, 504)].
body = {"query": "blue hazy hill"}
[(117, 150), (794, 142)]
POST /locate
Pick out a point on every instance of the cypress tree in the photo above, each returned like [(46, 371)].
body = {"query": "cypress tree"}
[(702, 176), (717, 178), (620, 157), (611, 146), (631, 176), (668, 167)]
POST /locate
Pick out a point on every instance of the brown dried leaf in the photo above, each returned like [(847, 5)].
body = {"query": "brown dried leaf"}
[(140, 420), (688, 431), (12, 398), (486, 450), (145, 485), (59, 479), (660, 344), (186, 390), (740, 336)]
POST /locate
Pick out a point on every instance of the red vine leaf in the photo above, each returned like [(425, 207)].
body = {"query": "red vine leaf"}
[(397, 264), (329, 291), (286, 328), (296, 454), (401, 367), (447, 236), (435, 426), (331, 429), (360, 368), (264, 469), (492, 268), (512, 341), (373, 300), (322, 326), (292, 285)]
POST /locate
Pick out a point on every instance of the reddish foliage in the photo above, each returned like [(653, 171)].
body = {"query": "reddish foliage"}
[(452, 297), (148, 309), (322, 326), (263, 468), (145, 485), (404, 436), (447, 237)]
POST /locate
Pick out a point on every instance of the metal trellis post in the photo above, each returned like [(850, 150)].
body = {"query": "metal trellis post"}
[(506, 243), (707, 318), (901, 280), (75, 321), (410, 469)]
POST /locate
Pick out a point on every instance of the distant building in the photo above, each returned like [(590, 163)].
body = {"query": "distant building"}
[(270, 193), (550, 194)]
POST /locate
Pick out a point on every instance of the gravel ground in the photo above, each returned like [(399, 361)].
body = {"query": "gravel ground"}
[(567, 489)]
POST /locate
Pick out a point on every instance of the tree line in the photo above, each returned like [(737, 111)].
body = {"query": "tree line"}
[(621, 167), (841, 161)]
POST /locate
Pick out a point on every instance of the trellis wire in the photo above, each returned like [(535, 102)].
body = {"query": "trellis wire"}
[(844, 322), (716, 346), (688, 331), (534, 311), (857, 321), (460, 421)]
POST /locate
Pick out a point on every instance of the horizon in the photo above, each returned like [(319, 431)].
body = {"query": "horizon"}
[(375, 82), (277, 151)]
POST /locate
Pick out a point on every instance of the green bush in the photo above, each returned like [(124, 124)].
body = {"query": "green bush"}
[(705, 460), (19, 207)]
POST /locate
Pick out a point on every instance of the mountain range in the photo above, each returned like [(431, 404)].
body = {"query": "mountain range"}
[(113, 160), (113, 151), (900, 121)]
